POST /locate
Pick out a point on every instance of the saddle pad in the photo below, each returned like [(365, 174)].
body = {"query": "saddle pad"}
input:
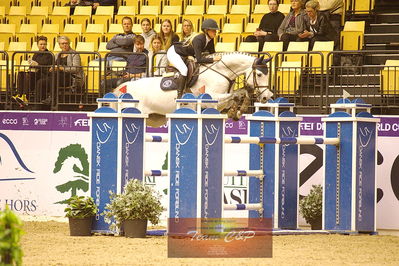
[(169, 83)]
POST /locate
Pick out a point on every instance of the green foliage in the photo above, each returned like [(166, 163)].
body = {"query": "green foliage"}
[(80, 207), (10, 235), (311, 206), (137, 201)]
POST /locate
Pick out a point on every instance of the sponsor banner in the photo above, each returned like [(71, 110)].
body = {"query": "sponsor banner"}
[(44, 121), (311, 126), (41, 168)]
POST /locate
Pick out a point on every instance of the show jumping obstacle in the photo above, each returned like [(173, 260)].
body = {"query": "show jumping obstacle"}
[(196, 162)]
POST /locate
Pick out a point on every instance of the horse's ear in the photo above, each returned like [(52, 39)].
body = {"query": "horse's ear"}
[(267, 60), (259, 60)]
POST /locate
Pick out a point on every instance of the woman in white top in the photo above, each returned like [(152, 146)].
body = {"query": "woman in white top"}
[(158, 62)]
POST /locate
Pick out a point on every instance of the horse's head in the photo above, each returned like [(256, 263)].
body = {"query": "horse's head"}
[(257, 77)]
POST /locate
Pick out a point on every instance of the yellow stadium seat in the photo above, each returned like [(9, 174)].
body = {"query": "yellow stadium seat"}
[(157, 27), (284, 8), (93, 33), (288, 77), (3, 74), (248, 47), (51, 31), (154, 3), (16, 16), (2, 46), (134, 3), (73, 32), (102, 49), (104, 15), (59, 16), (93, 76), (225, 47), (150, 12), (7, 4), (231, 33), (38, 16), (258, 13), (85, 47), (137, 29), (49, 3), (195, 14), (239, 14), (171, 12), (390, 77), (297, 47), (2, 13), (218, 13), (14, 47), (352, 36), (113, 30), (125, 11), (7, 32), (315, 60), (81, 16), (363, 6), (250, 28), (27, 33), (179, 28)]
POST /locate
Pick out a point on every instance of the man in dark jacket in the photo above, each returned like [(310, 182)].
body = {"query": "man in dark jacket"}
[(122, 42), (267, 31)]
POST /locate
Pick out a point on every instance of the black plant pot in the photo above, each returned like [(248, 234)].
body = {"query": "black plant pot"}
[(135, 228), (80, 226), (316, 224)]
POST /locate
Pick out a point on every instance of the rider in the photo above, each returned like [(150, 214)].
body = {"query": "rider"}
[(195, 45)]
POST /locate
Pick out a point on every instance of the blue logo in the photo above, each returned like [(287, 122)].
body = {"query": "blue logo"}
[(183, 133), (365, 136), (17, 156), (133, 131), (211, 134), (104, 132)]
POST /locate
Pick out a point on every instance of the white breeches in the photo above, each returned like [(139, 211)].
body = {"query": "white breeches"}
[(176, 60)]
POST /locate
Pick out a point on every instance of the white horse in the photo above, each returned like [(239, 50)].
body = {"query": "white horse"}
[(216, 79)]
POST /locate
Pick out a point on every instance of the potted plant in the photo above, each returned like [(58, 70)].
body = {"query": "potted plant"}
[(80, 211), (133, 208), (311, 207), (10, 236)]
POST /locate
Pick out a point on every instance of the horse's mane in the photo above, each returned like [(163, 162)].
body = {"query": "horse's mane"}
[(229, 53)]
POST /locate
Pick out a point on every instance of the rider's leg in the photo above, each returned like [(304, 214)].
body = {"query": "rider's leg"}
[(177, 61)]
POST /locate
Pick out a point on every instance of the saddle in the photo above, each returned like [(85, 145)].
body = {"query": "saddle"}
[(173, 80)]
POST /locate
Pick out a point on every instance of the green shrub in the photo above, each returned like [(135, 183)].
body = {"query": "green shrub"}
[(10, 235), (137, 201), (311, 206), (80, 207)]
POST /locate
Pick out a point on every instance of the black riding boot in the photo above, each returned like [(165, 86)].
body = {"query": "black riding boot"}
[(182, 86)]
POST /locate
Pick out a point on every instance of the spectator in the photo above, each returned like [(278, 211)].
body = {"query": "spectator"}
[(187, 29), (122, 42), (333, 9), (39, 67), (74, 3), (316, 25), (148, 32), (167, 35), (268, 27), (68, 68), (158, 62), (136, 66), (292, 24)]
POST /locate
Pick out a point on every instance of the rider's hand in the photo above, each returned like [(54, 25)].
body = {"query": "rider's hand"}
[(217, 58)]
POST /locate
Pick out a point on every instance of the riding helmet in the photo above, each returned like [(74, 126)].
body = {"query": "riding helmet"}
[(209, 24)]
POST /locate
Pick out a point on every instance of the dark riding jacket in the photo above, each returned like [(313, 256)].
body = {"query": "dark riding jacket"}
[(196, 48)]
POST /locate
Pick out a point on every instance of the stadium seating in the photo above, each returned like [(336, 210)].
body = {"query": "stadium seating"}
[(231, 33), (81, 16), (288, 77), (104, 15), (38, 16), (172, 13), (73, 32), (94, 33), (17, 46), (225, 47), (390, 77), (27, 33), (297, 47), (352, 36), (150, 12), (7, 32), (195, 14), (51, 31), (218, 13), (248, 47), (239, 14), (125, 11), (59, 16), (113, 29), (16, 16), (315, 60)]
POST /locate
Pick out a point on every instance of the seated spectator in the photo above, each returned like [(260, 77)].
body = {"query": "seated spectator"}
[(187, 30), (39, 67), (136, 66), (167, 34), (122, 42), (158, 62), (68, 70), (267, 31), (292, 24), (317, 27), (148, 32), (333, 9)]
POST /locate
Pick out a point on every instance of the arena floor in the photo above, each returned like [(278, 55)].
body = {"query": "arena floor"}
[(49, 243)]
